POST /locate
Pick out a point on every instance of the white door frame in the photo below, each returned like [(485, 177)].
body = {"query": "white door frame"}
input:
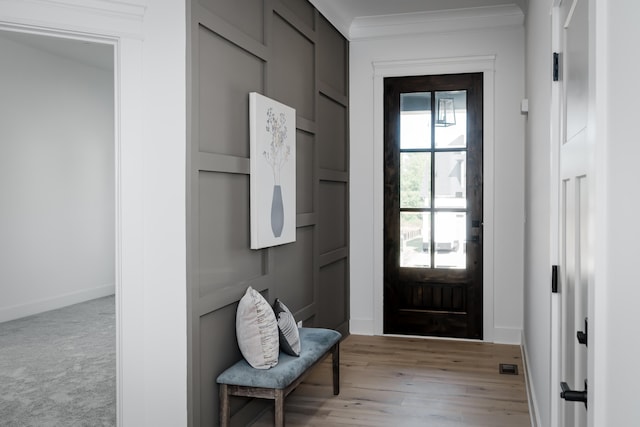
[(596, 132), (554, 220), (119, 25), (454, 65)]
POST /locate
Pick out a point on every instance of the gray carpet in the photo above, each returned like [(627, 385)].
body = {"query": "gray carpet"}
[(59, 368)]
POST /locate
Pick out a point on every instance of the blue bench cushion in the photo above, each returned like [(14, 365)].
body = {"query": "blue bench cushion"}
[(315, 342)]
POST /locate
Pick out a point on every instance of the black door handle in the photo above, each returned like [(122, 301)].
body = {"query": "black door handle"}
[(574, 395)]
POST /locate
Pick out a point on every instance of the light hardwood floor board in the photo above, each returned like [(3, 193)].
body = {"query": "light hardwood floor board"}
[(406, 382)]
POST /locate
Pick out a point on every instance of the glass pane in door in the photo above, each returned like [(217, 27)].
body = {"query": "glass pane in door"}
[(450, 179), (451, 119), (415, 239), (450, 231), (415, 180), (415, 120)]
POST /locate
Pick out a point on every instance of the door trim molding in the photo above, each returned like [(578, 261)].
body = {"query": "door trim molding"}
[(452, 65), (534, 412), (555, 132)]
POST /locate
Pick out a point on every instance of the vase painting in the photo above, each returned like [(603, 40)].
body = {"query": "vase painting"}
[(273, 172), (277, 211)]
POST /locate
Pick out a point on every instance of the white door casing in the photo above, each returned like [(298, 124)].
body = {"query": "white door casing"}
[(576, 191), (453, 65)]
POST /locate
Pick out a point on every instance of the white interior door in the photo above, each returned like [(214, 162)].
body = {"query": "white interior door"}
[(576, 206)]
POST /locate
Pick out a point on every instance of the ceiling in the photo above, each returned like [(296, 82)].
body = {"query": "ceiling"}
[(342, 13)]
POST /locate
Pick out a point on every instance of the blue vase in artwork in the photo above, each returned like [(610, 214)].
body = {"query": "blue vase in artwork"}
[(277, 211)]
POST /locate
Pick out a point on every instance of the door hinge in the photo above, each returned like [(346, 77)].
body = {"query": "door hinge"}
[(556, 66), (554, 279)]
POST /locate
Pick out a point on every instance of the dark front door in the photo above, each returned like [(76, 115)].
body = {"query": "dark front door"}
[(433, 205)]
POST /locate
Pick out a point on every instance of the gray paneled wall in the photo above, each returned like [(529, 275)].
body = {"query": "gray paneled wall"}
[(285, 50)]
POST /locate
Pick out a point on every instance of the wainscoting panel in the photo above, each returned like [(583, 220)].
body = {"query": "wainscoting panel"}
[(332, 57), (333, 302), (291, 70), (224, 100), (333, 216), (246, 15), (332, 139), (224, 254), (304, 172), (299, 272), (287, 51), (303, 10), (216, 346)]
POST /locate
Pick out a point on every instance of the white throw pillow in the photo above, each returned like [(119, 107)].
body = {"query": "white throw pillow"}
[(257, 330), (289, 334)]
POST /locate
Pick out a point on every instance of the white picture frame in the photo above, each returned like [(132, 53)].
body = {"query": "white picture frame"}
[(273, 172)]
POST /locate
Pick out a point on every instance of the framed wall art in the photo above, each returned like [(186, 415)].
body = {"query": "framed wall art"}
[(273, 172)]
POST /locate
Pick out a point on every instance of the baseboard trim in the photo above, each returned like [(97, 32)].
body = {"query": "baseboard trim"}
[(52, 303), (507, 336), (361, 326), (531, 396)]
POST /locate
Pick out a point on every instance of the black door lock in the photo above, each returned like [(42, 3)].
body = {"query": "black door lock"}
[(574, 395)]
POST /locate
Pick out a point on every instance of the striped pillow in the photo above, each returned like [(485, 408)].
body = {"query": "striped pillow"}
[(257, 330), (289, 335)]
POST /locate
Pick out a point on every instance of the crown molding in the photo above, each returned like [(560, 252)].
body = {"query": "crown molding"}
[(368, 27), (113, 17), (131, 9)]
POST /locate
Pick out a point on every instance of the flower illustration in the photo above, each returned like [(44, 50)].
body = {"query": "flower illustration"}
[(278, 150)]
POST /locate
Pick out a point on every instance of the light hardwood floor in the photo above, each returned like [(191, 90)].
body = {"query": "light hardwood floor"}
[(394, 382)]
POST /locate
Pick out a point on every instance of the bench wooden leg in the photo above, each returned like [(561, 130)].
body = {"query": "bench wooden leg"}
[(224, 406), (279, 408), (335, 353)]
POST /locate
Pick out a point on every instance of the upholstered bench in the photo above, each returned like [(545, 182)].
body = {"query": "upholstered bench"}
[(276, 383)]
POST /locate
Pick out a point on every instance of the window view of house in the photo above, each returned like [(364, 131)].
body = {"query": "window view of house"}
[(436, 219)]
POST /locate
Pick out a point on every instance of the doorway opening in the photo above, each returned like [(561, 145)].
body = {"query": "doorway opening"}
[(58, 173), (433, 205)]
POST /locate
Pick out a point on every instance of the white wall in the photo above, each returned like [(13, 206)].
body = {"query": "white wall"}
[(164, 192), (616, 349), (506, 262), (56, 180), (539, 222)]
